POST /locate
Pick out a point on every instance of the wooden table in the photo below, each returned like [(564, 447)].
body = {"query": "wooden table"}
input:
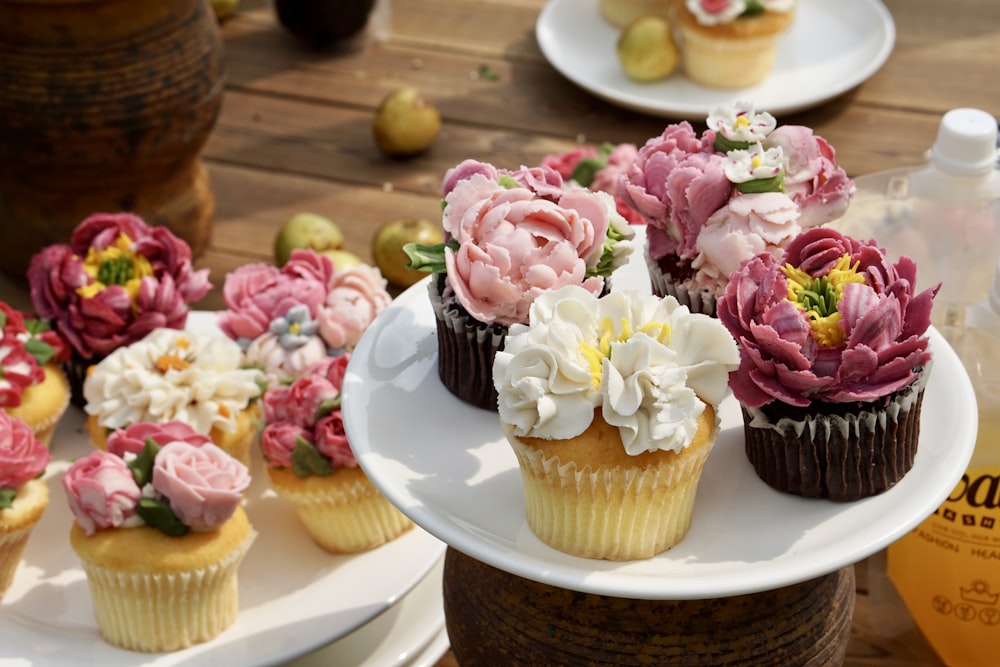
[(295, 135)]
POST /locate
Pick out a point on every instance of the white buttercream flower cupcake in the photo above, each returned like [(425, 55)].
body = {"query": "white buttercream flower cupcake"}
[(172, 375), (610, 405)]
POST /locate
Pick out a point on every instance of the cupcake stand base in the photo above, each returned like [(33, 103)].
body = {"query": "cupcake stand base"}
[(497, 618)]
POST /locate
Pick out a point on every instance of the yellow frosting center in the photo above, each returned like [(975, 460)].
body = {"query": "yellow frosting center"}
[(595, 354), (117, 264), (819, 297)]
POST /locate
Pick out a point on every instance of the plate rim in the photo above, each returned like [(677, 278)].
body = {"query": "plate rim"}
[(546, 28)]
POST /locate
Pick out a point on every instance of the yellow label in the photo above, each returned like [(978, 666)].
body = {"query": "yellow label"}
[(947, 570)]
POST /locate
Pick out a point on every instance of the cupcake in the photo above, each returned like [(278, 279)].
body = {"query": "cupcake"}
[(310, 463), (32, 385), (730, 43), (510, 237), (598, 169), (611, 407), (170, 375), (23, 496), (116, 280), (286, 319), (744, 186), (160, 537), (833, 364)]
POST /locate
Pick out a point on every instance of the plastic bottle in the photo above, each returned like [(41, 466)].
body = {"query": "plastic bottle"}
[(945, 214), (947, 571)]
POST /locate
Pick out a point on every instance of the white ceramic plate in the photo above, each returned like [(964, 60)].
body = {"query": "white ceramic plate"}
[(294, 597), (447, 466), (831, 47), (396, 638)]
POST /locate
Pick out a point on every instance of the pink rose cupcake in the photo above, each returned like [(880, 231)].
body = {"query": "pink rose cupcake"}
[(510, 236), (742, 187), (310, 464), (116, 280), (290, 317), (32, 385), (23, 496), (833, 364), (160, 536)]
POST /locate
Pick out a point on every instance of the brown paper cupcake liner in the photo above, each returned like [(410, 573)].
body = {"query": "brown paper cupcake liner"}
[(466, 349), (839, 456), (609, 513), (663, 284)]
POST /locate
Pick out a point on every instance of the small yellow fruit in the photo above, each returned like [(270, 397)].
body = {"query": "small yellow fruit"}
[(405, 123), (387, 248), (306, 230), (223, 9), (342, 259), (646, 49)]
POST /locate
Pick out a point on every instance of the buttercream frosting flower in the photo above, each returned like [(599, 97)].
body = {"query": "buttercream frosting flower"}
[(739, 125), (290, 317), (202, 484), (512, 236), (599, 170), (304, 429), (171, 375), (114, 282), (132, 439), (649, 364), (101, 491), (753, 164), (833, 320), (23, 457), (717, 12)]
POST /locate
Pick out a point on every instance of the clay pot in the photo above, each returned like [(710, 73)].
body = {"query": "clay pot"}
[(497, 618), (106, 105)]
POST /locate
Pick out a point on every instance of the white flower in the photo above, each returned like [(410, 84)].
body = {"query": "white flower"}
[(778, 5), (739, 123), (754, 164)]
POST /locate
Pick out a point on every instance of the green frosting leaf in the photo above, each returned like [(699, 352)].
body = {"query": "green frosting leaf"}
[(40, 350), (328, 406), (429, 258), (157, 513), (307, 461), (142, 465), (773, 184), (724, 145), (606, 264), (3, 319), (7, 498), (753, 7)]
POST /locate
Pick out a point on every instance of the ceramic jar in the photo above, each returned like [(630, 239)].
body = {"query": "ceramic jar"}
[(105, 105)]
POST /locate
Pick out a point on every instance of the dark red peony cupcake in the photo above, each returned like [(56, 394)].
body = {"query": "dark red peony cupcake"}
[(834, 361)]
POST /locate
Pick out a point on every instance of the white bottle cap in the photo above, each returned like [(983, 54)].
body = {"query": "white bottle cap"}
[(966, 142)]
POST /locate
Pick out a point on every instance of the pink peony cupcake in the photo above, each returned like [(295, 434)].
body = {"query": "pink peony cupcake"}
[(116, 280), (160, 536), (310, 463), (833, 364), (32, 385), (23, 495), (290, 317), (742, 187), (510, 236)]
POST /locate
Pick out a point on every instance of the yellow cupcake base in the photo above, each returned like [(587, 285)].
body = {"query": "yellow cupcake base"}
[(612, 509), (342, 512), (16, 524), (43, 404), (164, 599)]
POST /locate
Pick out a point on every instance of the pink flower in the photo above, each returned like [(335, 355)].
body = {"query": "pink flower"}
[(812, 178), (274, 401), (18, 371), (332, 368), (464, 170), (23, 457), (278, 440), (331, 441), (133, 438), (306, 396), (871, 345), (357, 295), (256, 294), (101, 491), (514, 245), (565, 163), (203, 485), (117, 280)]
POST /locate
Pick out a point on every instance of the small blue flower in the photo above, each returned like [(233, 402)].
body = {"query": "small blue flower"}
[(295, 329)]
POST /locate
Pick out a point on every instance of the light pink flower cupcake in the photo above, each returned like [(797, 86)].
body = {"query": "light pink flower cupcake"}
[(160, 535), (742, 187), (310, 464), (510, 237)]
